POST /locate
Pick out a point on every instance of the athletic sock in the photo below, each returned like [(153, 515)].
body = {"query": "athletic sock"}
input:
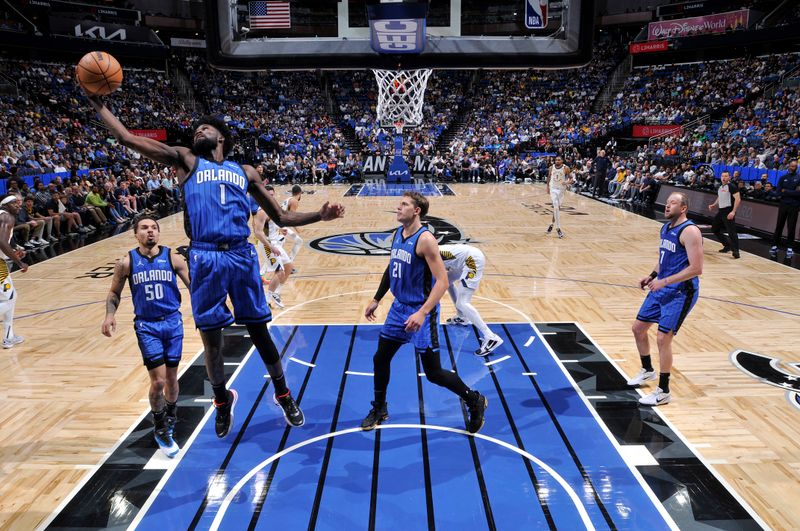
[(160, 418), (279, 381), (663, 381), (380, 397), (647, 363), (172, 409), (220, 393)]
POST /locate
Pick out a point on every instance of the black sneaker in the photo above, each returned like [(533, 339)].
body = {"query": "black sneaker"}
[(724, 250), (376, 416), (477, 406), (171, 421), (291, 411), (224, 421), (560, 234), (549, 229)]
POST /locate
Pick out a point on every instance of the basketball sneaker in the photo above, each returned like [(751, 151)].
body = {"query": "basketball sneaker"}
[(656, 398), (489, 344), (291, 411), (549, 229), (224, 420), (789, 252), (11, 341), (276, 298), (166, 443), (643, 376), (476, 405), (457, 320), (560, 234), (376, 415), (773, 251)]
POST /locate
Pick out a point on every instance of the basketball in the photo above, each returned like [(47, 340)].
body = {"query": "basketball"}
[(99, 73)]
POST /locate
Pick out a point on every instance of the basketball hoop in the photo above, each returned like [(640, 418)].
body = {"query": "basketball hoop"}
[(400, 97)]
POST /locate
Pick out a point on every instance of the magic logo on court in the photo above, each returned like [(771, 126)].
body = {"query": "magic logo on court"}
[(380, 243)]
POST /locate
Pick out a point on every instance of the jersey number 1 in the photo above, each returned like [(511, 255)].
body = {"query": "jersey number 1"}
[(222, 193)]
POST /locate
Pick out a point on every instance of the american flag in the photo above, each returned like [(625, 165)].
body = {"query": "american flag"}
[(267, 15)]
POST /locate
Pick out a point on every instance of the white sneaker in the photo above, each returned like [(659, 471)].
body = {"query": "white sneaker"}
[(10, 342), (789, 252), (277, 299), (656, 398), (643, 376), (488, 345)]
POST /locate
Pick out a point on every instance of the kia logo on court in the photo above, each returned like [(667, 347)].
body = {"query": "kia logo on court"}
[(380, 243)]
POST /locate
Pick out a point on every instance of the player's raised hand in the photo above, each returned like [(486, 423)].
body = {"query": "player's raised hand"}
[(369, 313), (331, 211)]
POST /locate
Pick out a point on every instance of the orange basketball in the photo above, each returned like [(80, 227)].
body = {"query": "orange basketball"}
[(99, 73)]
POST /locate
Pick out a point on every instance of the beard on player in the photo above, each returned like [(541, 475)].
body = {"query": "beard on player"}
[(204, 146)]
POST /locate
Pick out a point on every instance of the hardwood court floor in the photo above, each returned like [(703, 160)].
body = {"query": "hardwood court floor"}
[(71, 393)]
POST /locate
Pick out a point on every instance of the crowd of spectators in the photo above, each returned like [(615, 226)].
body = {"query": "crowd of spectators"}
[(675, 94)]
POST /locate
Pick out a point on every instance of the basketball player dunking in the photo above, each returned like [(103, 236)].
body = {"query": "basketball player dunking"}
[(558, 178), (417, 278), (151, 271), (221, 260), (9, 208), (674, 288)]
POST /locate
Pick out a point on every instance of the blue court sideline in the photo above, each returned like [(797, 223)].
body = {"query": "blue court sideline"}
[(541, 461)]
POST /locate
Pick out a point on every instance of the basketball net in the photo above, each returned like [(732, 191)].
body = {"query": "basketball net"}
[(400, 97)]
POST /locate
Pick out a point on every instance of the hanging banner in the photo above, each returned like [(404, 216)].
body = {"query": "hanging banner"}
[(155, 134), (646, 131), (648, 47), (682, 27)]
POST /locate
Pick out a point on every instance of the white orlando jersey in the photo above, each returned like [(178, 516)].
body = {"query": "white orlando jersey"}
[(460, 260), (558, 177)]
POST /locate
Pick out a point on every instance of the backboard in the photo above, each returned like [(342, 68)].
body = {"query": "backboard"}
[(459, 34)]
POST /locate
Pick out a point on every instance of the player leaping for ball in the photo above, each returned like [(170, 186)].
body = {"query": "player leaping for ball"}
[(221, 260)]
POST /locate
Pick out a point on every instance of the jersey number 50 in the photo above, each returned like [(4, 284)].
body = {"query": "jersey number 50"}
[(153, 291)]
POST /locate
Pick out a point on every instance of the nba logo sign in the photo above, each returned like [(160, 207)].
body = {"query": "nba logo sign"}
[(536, 14)]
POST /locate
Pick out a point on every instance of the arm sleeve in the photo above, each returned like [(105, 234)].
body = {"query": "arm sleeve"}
[(384, 287)]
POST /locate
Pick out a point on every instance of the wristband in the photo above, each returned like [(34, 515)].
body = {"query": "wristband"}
[(653, 274)]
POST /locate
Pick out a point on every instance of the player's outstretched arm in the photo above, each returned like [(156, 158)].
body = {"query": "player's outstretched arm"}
[(152, 149), (121, 272), (284, 218)]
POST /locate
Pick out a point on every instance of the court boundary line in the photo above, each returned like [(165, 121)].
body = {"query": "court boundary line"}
[(503, 275), (92, 471), (200, 425), (753, 514), (236, 489)]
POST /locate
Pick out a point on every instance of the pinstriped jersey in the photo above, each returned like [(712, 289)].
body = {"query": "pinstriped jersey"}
[(217, 204), (153, 283), (410, 278), (672, 256)]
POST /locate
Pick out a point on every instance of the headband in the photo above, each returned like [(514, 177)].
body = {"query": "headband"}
[(9, 199)]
